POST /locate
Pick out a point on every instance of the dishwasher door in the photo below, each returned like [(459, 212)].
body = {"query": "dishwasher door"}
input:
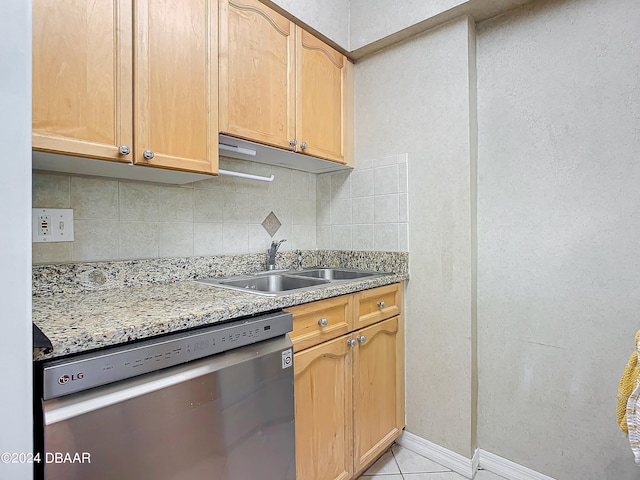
[(225, 417)]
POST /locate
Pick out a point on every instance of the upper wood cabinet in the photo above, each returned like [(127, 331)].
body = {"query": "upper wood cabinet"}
[(82, 78), (281, 86), (257, 82), (86, 56), (176, 84), (324, 81)]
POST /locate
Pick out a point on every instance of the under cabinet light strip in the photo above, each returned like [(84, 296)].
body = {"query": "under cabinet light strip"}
[(233, 148), (245, 175)]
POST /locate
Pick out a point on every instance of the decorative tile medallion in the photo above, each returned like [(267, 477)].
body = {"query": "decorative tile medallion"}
[(271, 224)]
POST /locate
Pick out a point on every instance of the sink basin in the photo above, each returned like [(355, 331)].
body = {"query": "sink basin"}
[(336, 273), (270, 284), (274, 283), (287, 281)]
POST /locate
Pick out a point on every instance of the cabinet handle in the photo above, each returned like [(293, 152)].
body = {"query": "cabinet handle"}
[(361, 338), (351, 342), (381, 304), (303, 145), (147, 154), (293, 142), (124, 150), (323, 322)]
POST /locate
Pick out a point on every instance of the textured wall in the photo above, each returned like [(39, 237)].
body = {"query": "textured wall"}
[(365, 209), (330, 18), (124, 220), (372, 20), (424, 111), (15, 283), (559, 233)]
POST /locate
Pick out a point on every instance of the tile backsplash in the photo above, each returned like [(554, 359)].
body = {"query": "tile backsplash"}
[(366, 209), (121, 220)]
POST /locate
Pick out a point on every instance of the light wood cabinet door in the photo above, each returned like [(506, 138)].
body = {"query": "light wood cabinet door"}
[(82, 77), (324, 440), (257, 82), (378, 389), (324, 98), (176, 84)]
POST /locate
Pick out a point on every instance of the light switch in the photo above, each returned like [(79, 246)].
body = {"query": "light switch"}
[(52, 225)]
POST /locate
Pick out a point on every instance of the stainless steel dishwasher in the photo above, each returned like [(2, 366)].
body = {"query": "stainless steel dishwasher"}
[(213, 403)]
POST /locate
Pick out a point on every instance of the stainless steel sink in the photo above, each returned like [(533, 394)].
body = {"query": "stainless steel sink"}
[(336, 273), (266, 284), (288, 281), (274, 283)]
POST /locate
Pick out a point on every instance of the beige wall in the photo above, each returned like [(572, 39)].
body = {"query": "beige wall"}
[(559, 233), (115, 219), (372, 20), (558, 108), (415, 98), (375, 20), (329, 17)]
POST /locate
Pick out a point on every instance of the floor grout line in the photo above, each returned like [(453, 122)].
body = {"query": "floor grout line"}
[(396, 460), (402, 474)]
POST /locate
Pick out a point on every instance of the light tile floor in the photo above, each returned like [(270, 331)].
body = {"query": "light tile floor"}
[(399, 463)]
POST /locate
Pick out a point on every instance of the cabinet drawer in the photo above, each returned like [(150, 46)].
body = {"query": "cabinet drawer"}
[(377, 304), (317, 322)]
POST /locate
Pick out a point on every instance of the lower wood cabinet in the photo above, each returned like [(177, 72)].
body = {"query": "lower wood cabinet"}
[(378, 390), (349, 392), (323, 399)]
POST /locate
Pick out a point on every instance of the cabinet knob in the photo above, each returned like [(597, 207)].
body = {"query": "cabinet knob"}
[(303, 145), (381, 304), (323, 322), (148, 154), (293, 142), (351, 342), (124, 150), (361, 338)]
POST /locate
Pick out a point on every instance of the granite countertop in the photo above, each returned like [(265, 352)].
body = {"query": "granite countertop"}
[(80, 321)]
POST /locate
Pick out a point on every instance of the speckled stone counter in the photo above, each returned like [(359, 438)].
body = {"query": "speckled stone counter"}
[(77, 321)]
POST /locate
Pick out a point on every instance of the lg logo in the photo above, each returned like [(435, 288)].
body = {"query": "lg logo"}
[(64, 379)]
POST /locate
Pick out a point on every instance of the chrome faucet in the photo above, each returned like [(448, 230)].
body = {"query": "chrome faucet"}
[(271, 254)]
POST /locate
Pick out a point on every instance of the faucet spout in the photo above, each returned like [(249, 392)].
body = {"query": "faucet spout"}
[(271, 254)]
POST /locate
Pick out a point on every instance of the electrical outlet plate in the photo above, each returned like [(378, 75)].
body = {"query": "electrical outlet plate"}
[(52, 225)]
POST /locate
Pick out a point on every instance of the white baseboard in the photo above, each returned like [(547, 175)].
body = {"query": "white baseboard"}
[(465, 466), (508, 469), (475, 461), (448, 458)]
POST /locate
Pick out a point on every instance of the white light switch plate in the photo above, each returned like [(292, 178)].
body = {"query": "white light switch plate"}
[(52, 225)]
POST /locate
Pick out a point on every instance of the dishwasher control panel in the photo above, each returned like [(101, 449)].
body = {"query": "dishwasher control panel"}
[(75, 374)]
